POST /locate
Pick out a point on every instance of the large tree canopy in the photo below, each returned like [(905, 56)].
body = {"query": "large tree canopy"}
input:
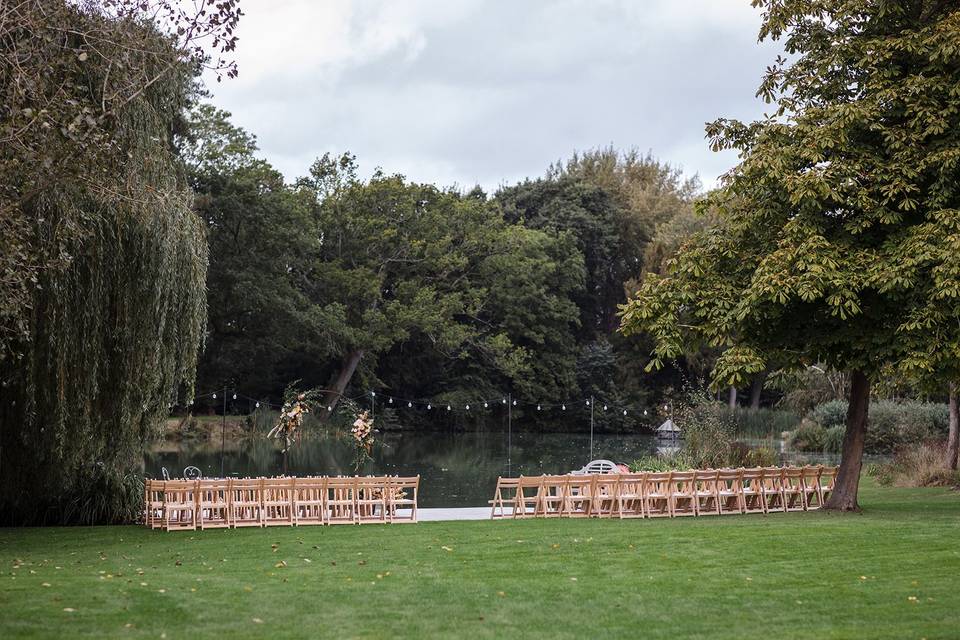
[(106, 261), (839, 231)]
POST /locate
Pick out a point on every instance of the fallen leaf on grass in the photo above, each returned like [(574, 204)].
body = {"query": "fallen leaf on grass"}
[(445, 548), (69, 609), (258, 621), (45, 584), (280, 564)]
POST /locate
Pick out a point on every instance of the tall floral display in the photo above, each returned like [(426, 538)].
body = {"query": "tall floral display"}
[(362, 433)]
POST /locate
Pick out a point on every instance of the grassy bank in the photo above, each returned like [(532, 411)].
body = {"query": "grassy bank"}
[(888, 573)]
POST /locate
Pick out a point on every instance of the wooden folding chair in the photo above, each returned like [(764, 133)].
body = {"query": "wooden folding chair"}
[(341, 500), (371, 499), (630, 495), (682, 499), (752, 491), (246, 502), (706, 498), (656, 494), (310, 500), (578, 496), (811, 487), (828, 477), (277, 501), (606, 487), (794, 498), (403, 495), (730, 491), (180, 505), (153, 503), (213, 503), (504, 497), (529, 493), (771, 482), (552, 496)]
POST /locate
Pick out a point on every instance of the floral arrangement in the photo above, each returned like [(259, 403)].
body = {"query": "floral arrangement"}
[(296, 406), (362, 433)]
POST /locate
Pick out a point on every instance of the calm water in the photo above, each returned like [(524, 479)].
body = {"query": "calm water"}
[(456, 469)]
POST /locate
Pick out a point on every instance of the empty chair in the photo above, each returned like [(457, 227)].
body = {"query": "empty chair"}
[(341, 500), (180, 505), (213, 503), (277, 501), (656, 494), (682, 501), (752, 491), (706, 500), (771, 483), (402, 498), (605, 492), (597, 466), (794, 498), (371, 499), (578, 496), (246, 503), (630, 495), (730, 491), (504, 501), (528, 496), (811, 487), (552, 496), (153, 503), (828, 476), (310, 505)]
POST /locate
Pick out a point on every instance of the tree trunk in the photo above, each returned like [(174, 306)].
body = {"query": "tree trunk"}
[(953, 438), (756, 389), (844, 496), (350, 362), (733, 397)]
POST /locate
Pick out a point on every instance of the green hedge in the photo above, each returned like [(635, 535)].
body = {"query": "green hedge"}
[(891, 425)]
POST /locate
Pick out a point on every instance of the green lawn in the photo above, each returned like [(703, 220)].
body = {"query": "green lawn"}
[(891, 572)]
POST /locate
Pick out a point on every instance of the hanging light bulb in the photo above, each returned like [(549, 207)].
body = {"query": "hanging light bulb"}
[(604, 407), (563, 407), (329, 408), (373, 393), (258, 405), (624, 412), (514, 403), (409, 405), (191, 401), (390, 400), (538, 407), (588, 403), (214, 396), (485, 405), (504, 401), (448, 407), (644, 412), (468, 407), (429, 406), (234, 396)]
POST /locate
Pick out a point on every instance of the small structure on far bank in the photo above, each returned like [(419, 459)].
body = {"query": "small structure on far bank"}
[(668, 429)]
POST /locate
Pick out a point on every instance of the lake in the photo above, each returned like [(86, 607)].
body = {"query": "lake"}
[(456, 469)]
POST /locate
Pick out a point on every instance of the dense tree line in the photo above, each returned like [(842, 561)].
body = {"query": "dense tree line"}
[(423, 292)]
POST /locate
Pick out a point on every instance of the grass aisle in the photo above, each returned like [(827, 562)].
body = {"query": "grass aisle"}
[(889, 573)]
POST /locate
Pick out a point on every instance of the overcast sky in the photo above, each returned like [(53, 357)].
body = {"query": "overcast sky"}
[(491, 91)]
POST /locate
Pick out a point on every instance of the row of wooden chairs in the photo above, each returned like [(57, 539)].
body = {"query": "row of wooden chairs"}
[(667, 494), (263, 502)]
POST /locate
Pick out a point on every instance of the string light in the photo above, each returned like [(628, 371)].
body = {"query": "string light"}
[(563, 407), (504, 401), (468, 407), (329, 408), (644, 412), (390, 400), (191, 401), (538, 407), (448, 407), (485, 405), (429, 406), (409, 405), (624, 412), (214, 396), (258, 405), (234, 396), (373, 393), (588, 403), (514, 403), (604, 407)]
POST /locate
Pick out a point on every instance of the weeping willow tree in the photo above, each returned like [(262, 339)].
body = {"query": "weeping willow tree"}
[(106, 262)]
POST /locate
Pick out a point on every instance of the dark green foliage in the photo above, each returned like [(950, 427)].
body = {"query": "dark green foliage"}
[(892, 424), (112, 330)]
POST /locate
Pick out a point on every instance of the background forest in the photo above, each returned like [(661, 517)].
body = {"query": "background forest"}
[(429, 292)]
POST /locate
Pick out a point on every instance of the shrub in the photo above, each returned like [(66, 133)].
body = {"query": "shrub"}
[(917, 465), (657, 463), (892, 424), (809, 436), (833, 439)]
